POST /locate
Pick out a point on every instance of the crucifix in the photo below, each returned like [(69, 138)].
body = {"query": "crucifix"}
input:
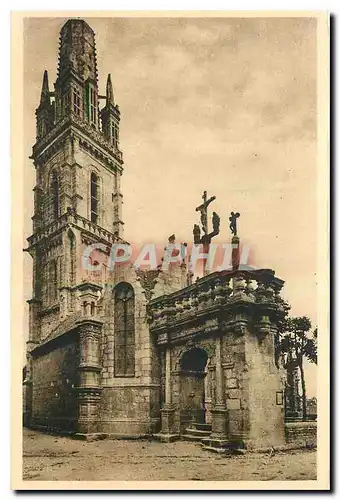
[(203, 208), (206, 238), (204, 211)]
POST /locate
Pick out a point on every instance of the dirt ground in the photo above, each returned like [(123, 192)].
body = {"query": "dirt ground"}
[(52, 458)]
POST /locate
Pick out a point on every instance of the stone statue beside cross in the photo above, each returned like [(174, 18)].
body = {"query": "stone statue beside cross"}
[(233, 218)]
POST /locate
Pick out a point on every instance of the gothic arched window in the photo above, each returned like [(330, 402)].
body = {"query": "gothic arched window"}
[(77, 102), (54, 195), (91, 104), (94, 197), (124, 330), (115, 133)]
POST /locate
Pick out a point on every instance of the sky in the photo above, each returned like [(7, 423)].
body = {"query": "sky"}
[(226, 105)]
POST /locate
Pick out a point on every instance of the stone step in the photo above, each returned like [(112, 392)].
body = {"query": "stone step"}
[(191, 437), (203, 427), (197, 432)]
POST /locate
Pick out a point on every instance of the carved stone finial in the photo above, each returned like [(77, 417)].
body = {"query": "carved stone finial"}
[(45, 92), (148, 280), (109, 91)]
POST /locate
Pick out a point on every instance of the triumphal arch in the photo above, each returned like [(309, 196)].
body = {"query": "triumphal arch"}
[(219, 380)]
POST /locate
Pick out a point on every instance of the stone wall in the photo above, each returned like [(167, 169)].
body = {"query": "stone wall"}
[(265, 392), (301, 433), (27, 402), (54, 376), (130, 410), (251, 384), (49, 321), (235, 386)]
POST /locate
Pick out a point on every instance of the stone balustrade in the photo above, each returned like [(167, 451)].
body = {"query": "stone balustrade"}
[(47, 138), (76, 120), (77, 220), (217, 290)]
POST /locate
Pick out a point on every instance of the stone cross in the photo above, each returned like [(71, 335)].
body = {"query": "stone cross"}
[(203, 208), (204, 211)]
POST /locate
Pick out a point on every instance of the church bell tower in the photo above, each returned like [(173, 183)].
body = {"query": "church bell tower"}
[(77, 193)]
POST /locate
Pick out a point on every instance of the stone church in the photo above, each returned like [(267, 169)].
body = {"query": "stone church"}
[(153, 354)]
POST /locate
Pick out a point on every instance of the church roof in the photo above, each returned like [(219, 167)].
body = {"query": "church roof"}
[(65, 326)]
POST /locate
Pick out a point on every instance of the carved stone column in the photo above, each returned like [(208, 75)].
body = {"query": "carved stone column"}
[(168, 398), (219, 437), (219, 374), (209, 392), (235, 255), (89, 390), (168, 432), (27, 388)]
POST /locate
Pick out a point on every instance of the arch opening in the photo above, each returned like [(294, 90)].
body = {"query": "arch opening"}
[(193, 388), (194, 360)]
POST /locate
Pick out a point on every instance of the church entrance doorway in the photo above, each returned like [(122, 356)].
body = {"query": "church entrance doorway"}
[(192, 388)]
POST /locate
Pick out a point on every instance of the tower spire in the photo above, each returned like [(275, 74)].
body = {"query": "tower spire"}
[(45, 110), (109, 91), (110, 115), (45, 92)]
